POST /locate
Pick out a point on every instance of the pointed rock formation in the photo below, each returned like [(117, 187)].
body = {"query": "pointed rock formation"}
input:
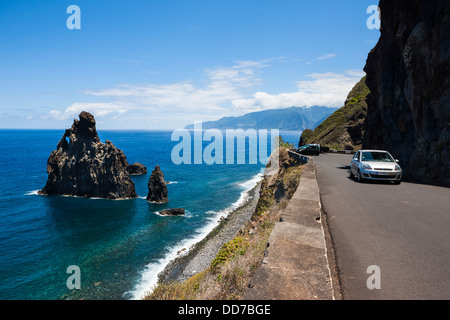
[(157, 189), (84, 166)]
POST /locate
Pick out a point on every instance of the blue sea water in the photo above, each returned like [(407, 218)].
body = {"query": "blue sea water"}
[(119, 245)]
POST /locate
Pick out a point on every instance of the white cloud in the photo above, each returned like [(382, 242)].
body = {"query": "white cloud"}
[(326, 56), (324, 89), (225, 91), (222, 86), (97, 108)]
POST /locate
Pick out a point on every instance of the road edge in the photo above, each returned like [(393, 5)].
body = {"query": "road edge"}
[(330, 252)]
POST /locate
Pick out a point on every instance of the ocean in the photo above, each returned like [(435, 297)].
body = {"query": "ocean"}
[(120, 246)]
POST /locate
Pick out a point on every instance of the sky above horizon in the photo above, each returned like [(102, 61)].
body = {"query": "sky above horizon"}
[(148, 64)]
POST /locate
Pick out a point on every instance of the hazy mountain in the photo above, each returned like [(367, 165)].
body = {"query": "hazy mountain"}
[(289, 119)]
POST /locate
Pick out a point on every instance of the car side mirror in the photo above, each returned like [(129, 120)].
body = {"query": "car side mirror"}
[(396, 160)]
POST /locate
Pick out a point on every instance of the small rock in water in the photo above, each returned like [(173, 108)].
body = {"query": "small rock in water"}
[(173, 212), (136, 169)]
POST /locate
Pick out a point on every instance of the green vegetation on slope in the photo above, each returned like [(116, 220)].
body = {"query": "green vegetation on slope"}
[(344, 129)]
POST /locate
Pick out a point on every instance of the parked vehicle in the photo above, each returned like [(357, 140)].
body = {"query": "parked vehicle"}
[(309, 149), (375, 165)]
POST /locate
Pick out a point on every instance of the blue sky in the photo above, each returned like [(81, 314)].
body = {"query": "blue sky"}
[(153, 64)]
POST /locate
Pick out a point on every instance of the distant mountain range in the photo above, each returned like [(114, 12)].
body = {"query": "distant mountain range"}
[(289, 119)]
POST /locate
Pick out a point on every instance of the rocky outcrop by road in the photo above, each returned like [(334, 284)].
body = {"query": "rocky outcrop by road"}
[(408, 74), (84, 166), (157, 188)]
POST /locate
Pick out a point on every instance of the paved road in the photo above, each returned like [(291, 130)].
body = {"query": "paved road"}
[(403, 229)]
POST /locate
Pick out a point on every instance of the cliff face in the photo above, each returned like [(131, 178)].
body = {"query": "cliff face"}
[(408, 74), (344, 129), (84, 166)]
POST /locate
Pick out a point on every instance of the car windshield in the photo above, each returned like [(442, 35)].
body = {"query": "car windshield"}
[(376, 156)]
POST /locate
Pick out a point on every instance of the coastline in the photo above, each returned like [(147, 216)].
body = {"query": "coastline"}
[(199, 256)]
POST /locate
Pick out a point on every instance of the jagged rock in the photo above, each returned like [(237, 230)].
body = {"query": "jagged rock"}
[(136, 169), (279, 191), (157, 189), (173, 212), (84, 166), (408, 74)]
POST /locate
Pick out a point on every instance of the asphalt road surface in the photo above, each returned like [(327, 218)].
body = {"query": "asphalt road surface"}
[(402, 229)]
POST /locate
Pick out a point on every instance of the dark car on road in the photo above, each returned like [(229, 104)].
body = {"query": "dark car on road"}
[(309, 149)]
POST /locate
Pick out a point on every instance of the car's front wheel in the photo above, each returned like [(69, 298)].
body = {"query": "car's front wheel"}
[(359, 177)]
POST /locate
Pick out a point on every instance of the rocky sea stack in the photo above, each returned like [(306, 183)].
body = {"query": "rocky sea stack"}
[(84, 166), (157, 188)]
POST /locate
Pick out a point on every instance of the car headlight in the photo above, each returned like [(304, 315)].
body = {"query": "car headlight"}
[(397, 167), (366, 166)]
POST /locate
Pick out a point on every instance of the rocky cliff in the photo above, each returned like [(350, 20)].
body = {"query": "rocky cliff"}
[(408, 74), (344, 129), (84, 166)]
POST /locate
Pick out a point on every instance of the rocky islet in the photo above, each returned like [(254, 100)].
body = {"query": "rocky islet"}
[(83, 166)]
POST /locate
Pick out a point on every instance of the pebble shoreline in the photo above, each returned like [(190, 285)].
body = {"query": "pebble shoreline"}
[(200, 255)]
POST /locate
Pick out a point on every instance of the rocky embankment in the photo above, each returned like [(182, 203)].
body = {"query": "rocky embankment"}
[(408, 74), (84, 166)]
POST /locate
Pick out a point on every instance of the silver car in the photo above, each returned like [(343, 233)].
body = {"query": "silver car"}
[(375, 165)]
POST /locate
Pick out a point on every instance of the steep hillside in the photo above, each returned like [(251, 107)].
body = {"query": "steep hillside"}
[(344, 129), (289, 119)]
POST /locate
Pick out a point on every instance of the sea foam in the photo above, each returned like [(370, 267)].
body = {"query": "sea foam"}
[(32, 193)]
